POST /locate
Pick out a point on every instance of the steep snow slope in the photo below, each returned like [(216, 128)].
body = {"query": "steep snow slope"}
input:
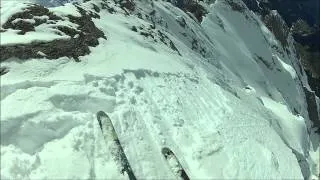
[(216, 93), (53, 3)]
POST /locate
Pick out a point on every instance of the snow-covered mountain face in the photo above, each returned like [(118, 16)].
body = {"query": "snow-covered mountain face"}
[(54, 3), (209, 80), (302, 18)]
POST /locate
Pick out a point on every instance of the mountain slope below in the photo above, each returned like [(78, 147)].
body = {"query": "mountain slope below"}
[(222, 93)]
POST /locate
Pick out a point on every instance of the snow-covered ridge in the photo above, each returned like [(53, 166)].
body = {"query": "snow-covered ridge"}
[(222, 93)]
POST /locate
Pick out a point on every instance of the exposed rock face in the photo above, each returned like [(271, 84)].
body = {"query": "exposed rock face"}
[(303, 18), (312, 109), (236, 6), (17, 20), (308, 45), (128, 4), (3, 70), (301, 27), (192, 7), (80, 38), (277, 26), (311, 64), (156, 36), (307, 37)]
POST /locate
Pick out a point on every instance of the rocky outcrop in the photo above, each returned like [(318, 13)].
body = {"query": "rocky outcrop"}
[(82, 36), (278, 19), (126, 6), (308, 46), (236, 6), (313, 109), (3, 70), (155, 35), (29, 18), (278, 27), (193, 7), (303, 19), (272, 19)]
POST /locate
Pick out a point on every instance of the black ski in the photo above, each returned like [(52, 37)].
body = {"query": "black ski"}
[(174, 164), (110, 136)]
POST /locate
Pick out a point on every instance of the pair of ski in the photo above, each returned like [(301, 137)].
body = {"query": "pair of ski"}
[(111, 138)]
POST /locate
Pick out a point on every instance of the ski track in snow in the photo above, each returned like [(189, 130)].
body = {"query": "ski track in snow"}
[(218, 115)]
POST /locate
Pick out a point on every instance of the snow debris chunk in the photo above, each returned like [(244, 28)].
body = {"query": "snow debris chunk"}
[(287, 67), (41, 54)]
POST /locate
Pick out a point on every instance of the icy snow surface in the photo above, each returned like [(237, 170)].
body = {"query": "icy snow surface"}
[(226, 115)]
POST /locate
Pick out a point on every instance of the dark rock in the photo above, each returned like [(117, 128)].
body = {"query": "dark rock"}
[(278, 27), (3, 70), (290, 10), (105, 5), (145, 34), (127, 4), (196, 9), (152, 13), (173, 47), (182, 22), (194, 44), (86, 34), (312, 108), (22, 25), (193, 7), (29, 13), (139, 15), (96, 8), (184, 34), (303, 17), (236, 6), (314, 83), (85, 14), (67, 30), (269, 65), (54, 49), (134, 28)]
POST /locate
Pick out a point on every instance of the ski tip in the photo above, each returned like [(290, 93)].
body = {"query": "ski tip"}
[(101, 113), (169, 154), (166, 152)]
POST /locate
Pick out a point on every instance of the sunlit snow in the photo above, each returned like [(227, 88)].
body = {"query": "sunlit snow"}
[(226, 115)]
